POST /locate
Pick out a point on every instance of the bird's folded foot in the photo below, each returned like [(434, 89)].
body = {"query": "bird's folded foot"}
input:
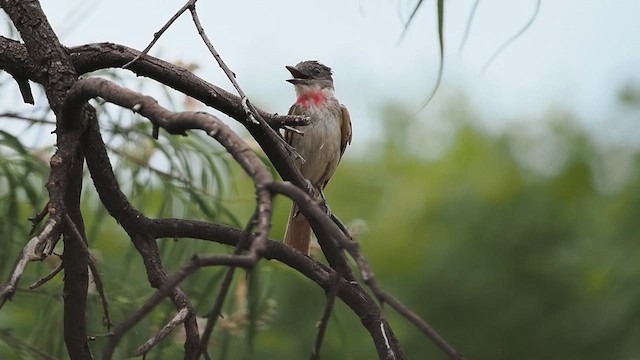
[(308, 187), (324, 204)]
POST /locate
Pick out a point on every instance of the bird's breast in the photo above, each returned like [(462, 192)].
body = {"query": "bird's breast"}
[(320, 144)]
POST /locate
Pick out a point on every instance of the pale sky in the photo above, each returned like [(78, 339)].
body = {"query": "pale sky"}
[(576, 53)]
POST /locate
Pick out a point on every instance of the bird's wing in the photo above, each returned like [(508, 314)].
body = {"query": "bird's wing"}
[(345, 127), (295, 109)]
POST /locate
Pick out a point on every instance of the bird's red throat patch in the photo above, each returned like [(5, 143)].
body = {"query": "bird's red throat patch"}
[(312, 98)]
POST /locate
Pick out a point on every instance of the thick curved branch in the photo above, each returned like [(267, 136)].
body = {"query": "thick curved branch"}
[(174, 123), (110, 55), (350, 292), (130, 218), (92, 57), (105, 55), (118, 206), (65, 181), (178, 123)]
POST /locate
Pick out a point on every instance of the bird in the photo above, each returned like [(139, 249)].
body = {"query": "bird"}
[(320, 144)]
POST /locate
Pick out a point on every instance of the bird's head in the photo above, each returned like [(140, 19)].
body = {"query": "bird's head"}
[(310, 74), (313, 82)]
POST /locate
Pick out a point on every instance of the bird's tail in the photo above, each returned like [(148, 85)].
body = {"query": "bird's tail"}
[(298, 233)]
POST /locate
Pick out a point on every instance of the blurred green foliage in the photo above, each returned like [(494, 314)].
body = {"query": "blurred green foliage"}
[(518, 245)]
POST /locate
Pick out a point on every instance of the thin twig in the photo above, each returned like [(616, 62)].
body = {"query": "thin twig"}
[(18, 343), (46, 278), (230, 74), (252, 113), (37, 218), (312, 212), (341, 225), (294, 130), (30, 252), (97, 280), (166, 330), (195, 263), (369, 278), (325, 229), (328, 309), (216, 310), (156, 36), (26, 118), (416, 320)]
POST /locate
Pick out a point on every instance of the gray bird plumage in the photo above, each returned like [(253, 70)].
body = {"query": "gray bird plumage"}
[(324, 139)]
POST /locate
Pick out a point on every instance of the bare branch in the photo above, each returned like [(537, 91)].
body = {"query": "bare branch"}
[(37, 218), (97, 280), (369, 278), (157, 35), (46, 278), (416, 320), (326, 315), (178, 319), (25, 89), (230, 74), (137, 225), (330, 235), (75, 261), (31, 252), (93, 57), (178, 123), (214, 313), (168, 286), (252, 113)]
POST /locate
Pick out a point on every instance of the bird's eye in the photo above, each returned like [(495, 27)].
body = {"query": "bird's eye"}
[(316, 71)]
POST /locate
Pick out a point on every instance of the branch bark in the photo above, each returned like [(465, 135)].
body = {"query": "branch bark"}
[(65, 181)]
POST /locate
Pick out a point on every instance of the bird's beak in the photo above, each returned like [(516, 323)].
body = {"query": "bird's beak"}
[(298, 76)]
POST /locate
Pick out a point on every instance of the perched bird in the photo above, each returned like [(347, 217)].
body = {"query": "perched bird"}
[(321, 143)]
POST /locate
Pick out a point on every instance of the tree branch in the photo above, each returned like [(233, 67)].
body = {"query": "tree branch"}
[(31, 252), (178, 123), (178, 319), (251, 111), (168, 286), (77, 125), (158, 34), (65, 180), (214, 313), (326, 315)]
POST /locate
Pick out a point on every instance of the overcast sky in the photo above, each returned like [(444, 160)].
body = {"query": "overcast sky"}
[(576, 53)]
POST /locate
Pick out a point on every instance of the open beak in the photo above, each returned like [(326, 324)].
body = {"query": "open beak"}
[(298, 76)]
